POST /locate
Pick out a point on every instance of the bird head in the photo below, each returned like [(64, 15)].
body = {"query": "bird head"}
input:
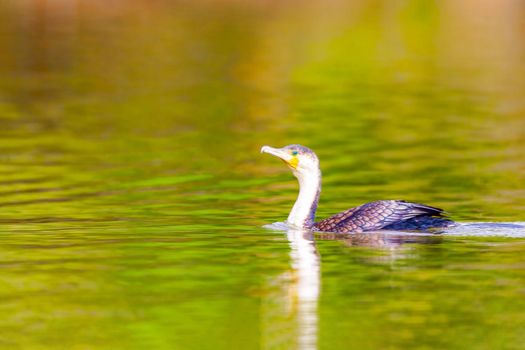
[(301, 160)]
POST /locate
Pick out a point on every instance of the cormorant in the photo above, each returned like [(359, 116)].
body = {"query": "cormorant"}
[(373, 216)]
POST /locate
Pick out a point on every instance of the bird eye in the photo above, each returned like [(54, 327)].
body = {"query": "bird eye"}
[(294, 153)]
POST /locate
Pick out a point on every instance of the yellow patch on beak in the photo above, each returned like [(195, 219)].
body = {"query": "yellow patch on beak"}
[(293, 162)]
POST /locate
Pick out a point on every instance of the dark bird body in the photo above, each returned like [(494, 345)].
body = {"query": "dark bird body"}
[(373, 216), (385, 215)]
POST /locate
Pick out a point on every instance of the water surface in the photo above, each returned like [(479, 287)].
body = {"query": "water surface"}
[(133, 196)]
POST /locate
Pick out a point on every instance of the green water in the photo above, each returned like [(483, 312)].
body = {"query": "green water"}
[(133, 193)]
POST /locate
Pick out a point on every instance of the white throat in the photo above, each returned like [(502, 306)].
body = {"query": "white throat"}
[(303, 211)]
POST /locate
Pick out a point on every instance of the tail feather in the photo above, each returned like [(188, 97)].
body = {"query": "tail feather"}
[(423, 209)]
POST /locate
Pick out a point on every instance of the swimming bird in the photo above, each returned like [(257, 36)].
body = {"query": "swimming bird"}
[(373, 216)]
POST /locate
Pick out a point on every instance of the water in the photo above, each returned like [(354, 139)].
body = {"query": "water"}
[(134, 195)]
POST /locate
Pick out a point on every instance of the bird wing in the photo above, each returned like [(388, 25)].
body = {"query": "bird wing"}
[(375, 216)]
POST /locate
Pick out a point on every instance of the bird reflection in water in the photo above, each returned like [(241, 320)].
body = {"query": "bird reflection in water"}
[(380, 239), (292, 316), (305, 263)]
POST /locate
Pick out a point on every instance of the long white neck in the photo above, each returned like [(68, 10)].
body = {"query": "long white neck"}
[(303, 211)]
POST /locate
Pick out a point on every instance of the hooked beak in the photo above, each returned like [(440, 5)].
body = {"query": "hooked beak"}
[(286, 157)]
